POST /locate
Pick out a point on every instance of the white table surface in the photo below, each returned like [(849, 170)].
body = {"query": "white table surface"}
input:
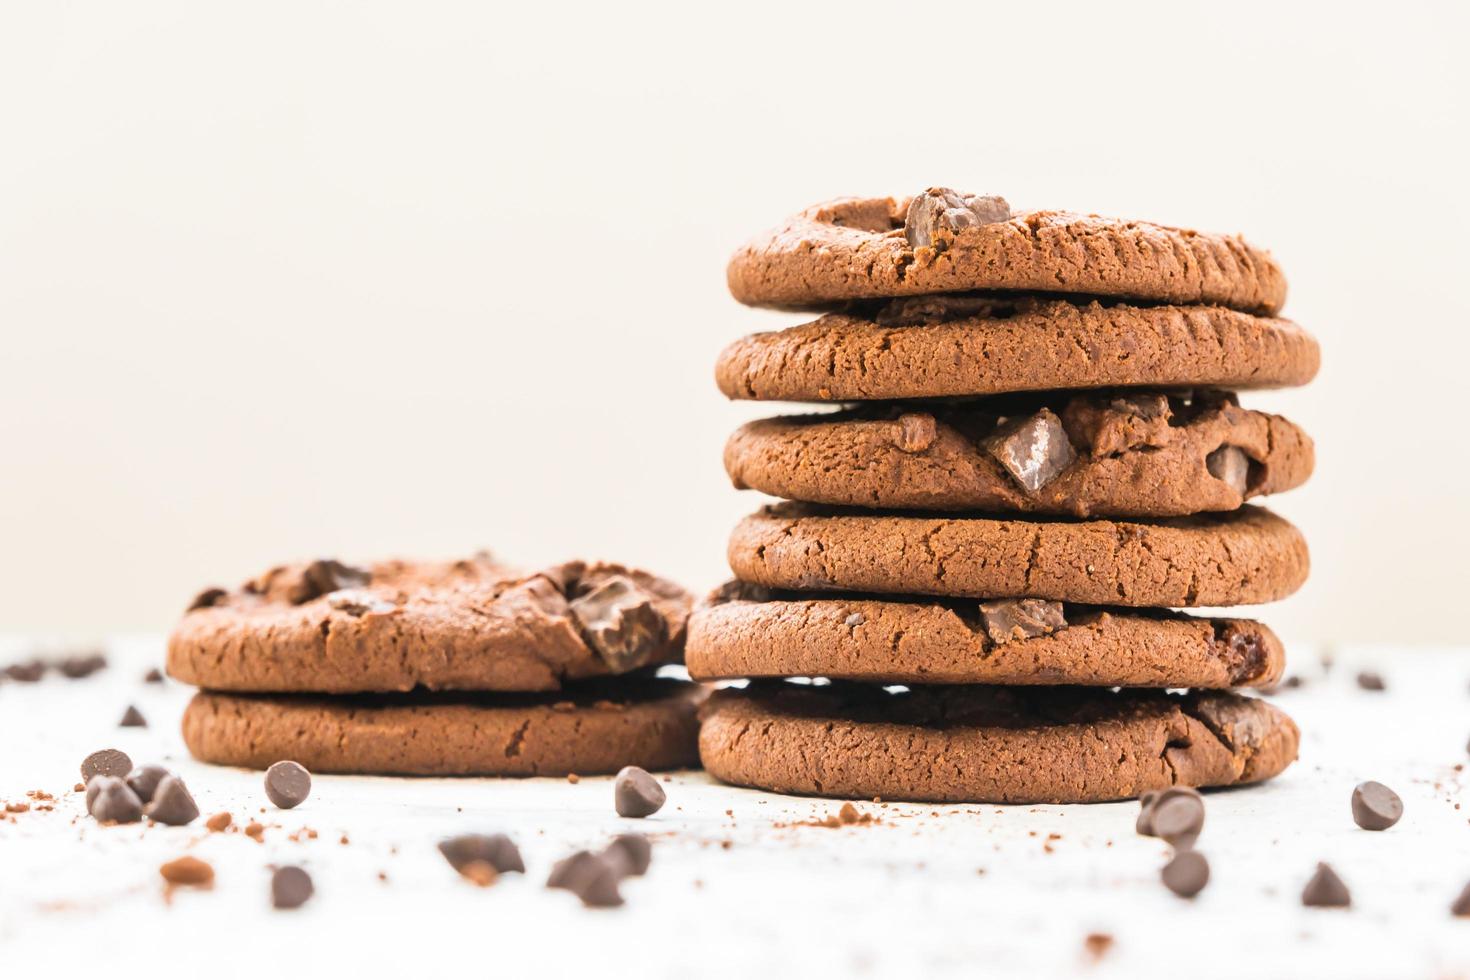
[(930, 891)]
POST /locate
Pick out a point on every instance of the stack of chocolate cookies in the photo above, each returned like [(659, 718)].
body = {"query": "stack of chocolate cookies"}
[(446, 669), (1039, 457)]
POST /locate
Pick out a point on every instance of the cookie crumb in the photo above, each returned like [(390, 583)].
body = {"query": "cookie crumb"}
[(187, 871), (1098, 944), (219, 821)]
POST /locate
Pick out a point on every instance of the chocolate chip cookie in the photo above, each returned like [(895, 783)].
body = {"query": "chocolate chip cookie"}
[(989, 744), (1246, 556), (602, 727), (1133, 454), (326, 627), (942, 241)]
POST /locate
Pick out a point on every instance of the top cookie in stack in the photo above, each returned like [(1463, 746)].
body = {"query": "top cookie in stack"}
[(1034, 375)]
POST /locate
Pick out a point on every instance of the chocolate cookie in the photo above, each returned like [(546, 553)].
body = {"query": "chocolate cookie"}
[(471, 625), (1246, 556), (743, 633), (1140, 454), (988, 744), (960, 345), (941, 242), (597, 728)]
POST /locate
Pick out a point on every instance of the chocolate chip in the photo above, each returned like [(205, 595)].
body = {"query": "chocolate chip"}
[(287, 784), (1326, 890), (1178, 818), (356, 602), (81, 665), (325, 576), (630, 854), (916, 432), (1375, 806), (172, 803), (133, 718), (1461, 905), (1371, 681), (115, 803), (26, 673), (1034, 451), (496, 850), (1143, 826), (1186, 874), (106, 762), (290, 887), (1230, 466), (144, 780), (591, 877), (1021, 619), (206, 599), (636, 793), (620, 623), (855, 620), (188, 871), (940, 209), (94, 786), (154, 676)]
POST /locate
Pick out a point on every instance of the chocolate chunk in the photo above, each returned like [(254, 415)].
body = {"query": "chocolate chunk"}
[(1370, 681), (1021, 619), (1375, 806), (1178, 818), (630, 854), (916, 432), (1461, 905), (1186, 874), (738, 591), (290, 887), (206, 599), (1230, 466), (172, 803), (636, 793), (324, 576), (26, 673), (133, 718), (115, 803), (1107, 426), (620, 623), (106, 762), (144, 780), (356, 602), (154, 676), (591, 877), (939, 210), (188, 871), (287, 784), (1034, 451), (912, 311), (81, 665), (496, 850), (1326, 890)]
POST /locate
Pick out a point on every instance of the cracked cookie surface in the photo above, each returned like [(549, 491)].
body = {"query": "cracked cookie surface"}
[(989, 744), (602, 727), (473, 625)]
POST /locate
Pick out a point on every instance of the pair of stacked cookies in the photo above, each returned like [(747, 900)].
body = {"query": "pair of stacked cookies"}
[(1039, 459), (462, 668)]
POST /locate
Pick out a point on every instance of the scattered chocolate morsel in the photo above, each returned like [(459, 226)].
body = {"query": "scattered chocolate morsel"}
[(1375, 806), (1461, 905), (1178, 818), (636, 793), (154, 676), (172, 804), (325, 576), (287, 784), (1150, 802), (630, 854), (106, 762), (940, 209), (1020, 619), (1326, 890), (81, 665), (189, 871), (591, 877), (1034, 451), (26, 673), (206, 599), (1231, 466), (290, 887), (93, 787), (620, 623), (916, 432), (133, 718), (358, 602), (1143, 826), (496, 850), (114, 802), (1370, 680), (1186, 874), (144, 780)]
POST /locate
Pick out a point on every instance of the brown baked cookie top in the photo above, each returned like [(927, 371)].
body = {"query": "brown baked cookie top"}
[(469, 625), (942, 241), (1133, 454), (594, 727), (746, 631), (1243, 557), (971, 344), (989, 744)]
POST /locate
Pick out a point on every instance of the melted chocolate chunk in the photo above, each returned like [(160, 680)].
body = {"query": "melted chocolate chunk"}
[(1034, 451), (940, 210), (1230, 465), (324, 576), (620, 622), (1021, 619)]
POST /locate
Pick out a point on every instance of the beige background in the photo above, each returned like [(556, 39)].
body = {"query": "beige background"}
[(296, 279)]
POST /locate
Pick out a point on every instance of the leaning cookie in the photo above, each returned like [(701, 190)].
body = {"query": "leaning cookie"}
[(942, 241), (968, 344), (989, 744), (327, 627), (1136, 454), (599, 728), (745, 631)]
